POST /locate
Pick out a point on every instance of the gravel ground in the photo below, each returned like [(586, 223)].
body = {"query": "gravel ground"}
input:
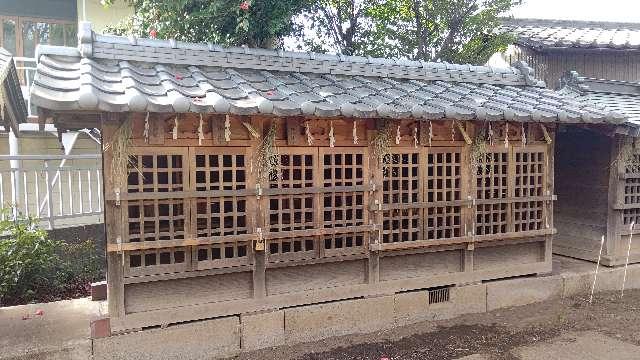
[(494, 334)]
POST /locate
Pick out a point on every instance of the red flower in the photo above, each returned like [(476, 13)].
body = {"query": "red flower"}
[(270, 93), (39, 312), (244, 6), (153, 33), (178, 77)]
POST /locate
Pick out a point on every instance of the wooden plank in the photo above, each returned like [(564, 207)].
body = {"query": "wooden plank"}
[(156, 129), (420, 243), (294, 131), (216, 123)]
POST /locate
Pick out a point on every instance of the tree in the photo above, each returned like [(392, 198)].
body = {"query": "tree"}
[(344, 26), (256, 23), (431, 30), (461, 31)]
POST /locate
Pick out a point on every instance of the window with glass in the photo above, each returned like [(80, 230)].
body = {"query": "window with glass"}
[(21, 35)]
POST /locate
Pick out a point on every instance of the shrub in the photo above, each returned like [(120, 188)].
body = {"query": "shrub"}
[(27, 260), (34, 268)]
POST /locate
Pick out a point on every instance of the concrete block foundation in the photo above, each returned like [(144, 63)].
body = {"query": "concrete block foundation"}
[(411, 307), (262, 330), (225, 337), (197, 340), (517, 292), (315, 322)]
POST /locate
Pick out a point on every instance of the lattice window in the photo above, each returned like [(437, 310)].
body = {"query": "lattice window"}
[(443, 183), (220, 170), (214, 171), (345, 208), (156, 261), (632, 191), (630, 216), (292, 249), (401, 185), (156, 220), (492, 183), (223, 254), (292, 211), (153, 219), (156, 173), (529, 182)]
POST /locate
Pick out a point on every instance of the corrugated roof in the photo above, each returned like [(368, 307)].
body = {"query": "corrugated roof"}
[(619, 96), (119, 74), (11, 99), (549, 34)]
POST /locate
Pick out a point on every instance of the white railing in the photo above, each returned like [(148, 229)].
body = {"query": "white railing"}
[(26, 68), (48, 188)]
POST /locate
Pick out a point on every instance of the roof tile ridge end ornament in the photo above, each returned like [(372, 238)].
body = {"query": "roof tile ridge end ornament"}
[(528, 73), (85, 39), (56, 50), (574, 81)]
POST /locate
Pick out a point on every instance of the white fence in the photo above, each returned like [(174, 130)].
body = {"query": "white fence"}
[(48, 187)]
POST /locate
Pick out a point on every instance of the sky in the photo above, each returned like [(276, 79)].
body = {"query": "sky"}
[(596, 10)]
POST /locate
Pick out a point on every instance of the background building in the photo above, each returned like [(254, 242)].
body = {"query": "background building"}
[(65, 166)]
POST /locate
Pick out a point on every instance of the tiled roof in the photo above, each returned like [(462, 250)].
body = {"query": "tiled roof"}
[(119, 74), (619, 96), (13, 104), (545, 34)]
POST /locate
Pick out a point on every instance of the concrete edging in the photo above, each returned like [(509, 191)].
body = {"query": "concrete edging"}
[(248, 332)]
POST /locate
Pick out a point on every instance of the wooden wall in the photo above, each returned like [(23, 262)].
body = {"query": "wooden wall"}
[(194, 234), (551, 65)]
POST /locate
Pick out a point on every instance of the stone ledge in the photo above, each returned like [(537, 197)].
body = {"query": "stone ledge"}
[(262, 330), (517, 292), (196, 340), (315, 322)]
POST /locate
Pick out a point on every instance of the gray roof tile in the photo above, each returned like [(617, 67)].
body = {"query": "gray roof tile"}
[(601, 97), (122, 74), (543, 34), (12, 100)]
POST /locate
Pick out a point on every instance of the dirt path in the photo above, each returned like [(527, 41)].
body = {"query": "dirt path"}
[(495, 334)]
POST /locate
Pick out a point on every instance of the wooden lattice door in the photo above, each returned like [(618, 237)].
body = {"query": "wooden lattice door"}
[(344, 199), (291, 206), (444, 190), (492, 191), (402, 190), (220, 177), (530, 171), (152, 216)]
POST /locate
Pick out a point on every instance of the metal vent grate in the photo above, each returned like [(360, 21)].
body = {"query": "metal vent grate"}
[(438, 295)]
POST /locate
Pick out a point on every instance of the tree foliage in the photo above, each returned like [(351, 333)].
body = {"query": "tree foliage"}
[(461, 31), (257, 23)]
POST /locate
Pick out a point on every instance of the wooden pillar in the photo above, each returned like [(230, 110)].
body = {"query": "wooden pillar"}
[(467, 192), (256, 208), (615, 196), (548, 244), (375, 217), (113, 221)]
